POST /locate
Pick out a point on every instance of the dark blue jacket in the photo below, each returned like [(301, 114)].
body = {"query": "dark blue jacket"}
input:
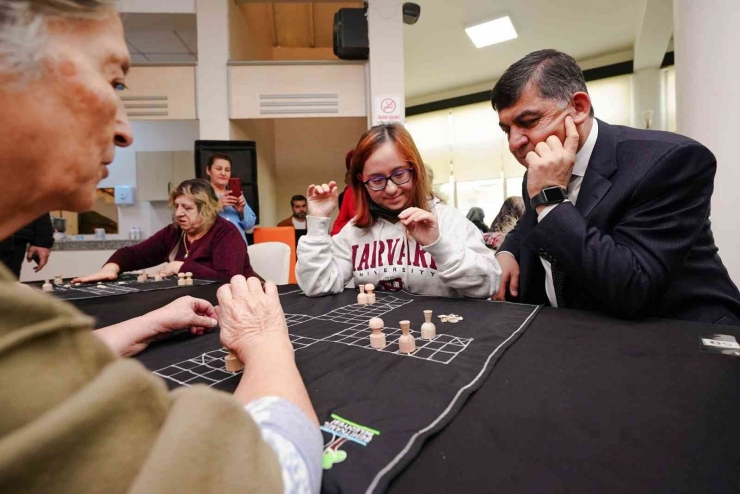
[(638, 242)]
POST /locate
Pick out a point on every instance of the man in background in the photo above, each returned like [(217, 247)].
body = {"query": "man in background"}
[(34, 241), (300, 207)]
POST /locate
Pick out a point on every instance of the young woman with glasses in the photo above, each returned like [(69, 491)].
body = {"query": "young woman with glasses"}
[(401, 236)]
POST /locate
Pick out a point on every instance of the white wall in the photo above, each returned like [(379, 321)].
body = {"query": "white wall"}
[(707, 101), (163, 135)]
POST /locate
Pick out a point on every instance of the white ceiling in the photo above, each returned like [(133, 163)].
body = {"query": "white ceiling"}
[(157, 38), (439, 55)]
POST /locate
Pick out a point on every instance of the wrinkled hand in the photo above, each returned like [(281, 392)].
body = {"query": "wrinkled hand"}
[(193, 314), (108, 273), (42, 252), (322, 199), (250, 316), (171, 268), (509, 277), (421, 225), (551, 162)]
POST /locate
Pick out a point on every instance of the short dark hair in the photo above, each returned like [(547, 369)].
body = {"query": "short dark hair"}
[(556, 76), (297, 197), (218, 156)]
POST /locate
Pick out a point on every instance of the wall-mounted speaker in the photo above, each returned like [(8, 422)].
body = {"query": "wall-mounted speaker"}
[(350, 34)]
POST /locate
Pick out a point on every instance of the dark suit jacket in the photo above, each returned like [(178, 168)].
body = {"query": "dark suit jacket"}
[(638, 241)]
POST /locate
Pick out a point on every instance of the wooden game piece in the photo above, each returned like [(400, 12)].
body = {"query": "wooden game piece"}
[(370, 291), (121, 282), (428, 329), (100, 282), (233, 364), (67, 286), (443, 318), (47, 287), (58, 280), (188, 278), (406, 342), (181, 279), (78, 284), (362, 296), (453, 319), (158, 277), (377, 337)]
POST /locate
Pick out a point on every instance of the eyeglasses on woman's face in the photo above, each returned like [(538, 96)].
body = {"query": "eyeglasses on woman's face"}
[(398, 177)]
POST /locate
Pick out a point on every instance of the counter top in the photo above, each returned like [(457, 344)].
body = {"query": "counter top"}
[(67, 245)]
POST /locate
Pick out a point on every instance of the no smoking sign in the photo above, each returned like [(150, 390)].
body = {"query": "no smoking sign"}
[(387, 109)]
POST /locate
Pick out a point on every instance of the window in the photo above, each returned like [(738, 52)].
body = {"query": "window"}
[(469, 155)]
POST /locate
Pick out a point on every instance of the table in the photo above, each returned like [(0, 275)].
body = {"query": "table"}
[(579, 403)]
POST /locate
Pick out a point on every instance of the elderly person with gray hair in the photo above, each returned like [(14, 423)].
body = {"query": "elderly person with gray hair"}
[(76, 417)]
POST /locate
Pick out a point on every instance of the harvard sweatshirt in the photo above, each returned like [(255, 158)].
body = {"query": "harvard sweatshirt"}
[(458, 264)]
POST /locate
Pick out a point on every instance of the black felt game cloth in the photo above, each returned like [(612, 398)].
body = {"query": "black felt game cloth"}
[(588, 403), (125, 284), (406, 398)]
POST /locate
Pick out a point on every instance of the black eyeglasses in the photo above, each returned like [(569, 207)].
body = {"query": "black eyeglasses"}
[(398, 177)]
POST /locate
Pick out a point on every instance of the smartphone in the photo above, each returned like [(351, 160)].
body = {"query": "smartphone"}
[(235, 187)]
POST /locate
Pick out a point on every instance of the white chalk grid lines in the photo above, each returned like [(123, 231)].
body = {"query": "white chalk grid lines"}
[(209, 368)]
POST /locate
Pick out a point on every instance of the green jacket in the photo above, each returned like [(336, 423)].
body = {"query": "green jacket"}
[(75, 418)]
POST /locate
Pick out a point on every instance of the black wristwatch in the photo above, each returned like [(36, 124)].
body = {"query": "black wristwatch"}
[(549, 195)]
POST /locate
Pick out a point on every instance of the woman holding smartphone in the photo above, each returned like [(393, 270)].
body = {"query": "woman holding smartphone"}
[(234, 208)]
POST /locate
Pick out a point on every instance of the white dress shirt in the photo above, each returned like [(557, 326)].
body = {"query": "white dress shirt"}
[(574, 188)]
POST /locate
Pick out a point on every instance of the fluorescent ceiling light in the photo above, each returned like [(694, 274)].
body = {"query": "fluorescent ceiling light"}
[(491, 32)]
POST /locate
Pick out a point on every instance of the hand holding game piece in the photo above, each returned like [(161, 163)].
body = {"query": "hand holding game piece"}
[(131, 337), (171, 268), (249, 317), (421, 225), (191, 313), (109, 272), (322, 199)]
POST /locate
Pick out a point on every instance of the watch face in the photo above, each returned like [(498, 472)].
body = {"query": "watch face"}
[(553, 194)]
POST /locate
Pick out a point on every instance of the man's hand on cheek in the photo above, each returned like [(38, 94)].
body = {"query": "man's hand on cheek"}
[(551, 162)]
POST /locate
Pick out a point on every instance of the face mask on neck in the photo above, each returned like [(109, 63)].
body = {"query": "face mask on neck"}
[(383, 212)]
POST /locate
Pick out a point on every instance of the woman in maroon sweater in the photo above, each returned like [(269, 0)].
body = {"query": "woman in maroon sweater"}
[(199, 242)]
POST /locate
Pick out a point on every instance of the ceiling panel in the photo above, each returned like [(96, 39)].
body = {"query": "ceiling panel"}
[(156, 42), (138, 58), (439, 56), (171, 57), (190, 38)]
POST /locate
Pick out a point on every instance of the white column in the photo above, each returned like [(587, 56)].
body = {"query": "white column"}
[(707, 100), (385, 34), (647, 94), (212, 72)]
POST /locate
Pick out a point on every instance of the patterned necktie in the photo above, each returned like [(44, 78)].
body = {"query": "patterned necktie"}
[(558, 279)]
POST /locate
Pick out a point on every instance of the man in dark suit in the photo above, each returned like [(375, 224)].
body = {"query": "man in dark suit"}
[(617, 219)]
